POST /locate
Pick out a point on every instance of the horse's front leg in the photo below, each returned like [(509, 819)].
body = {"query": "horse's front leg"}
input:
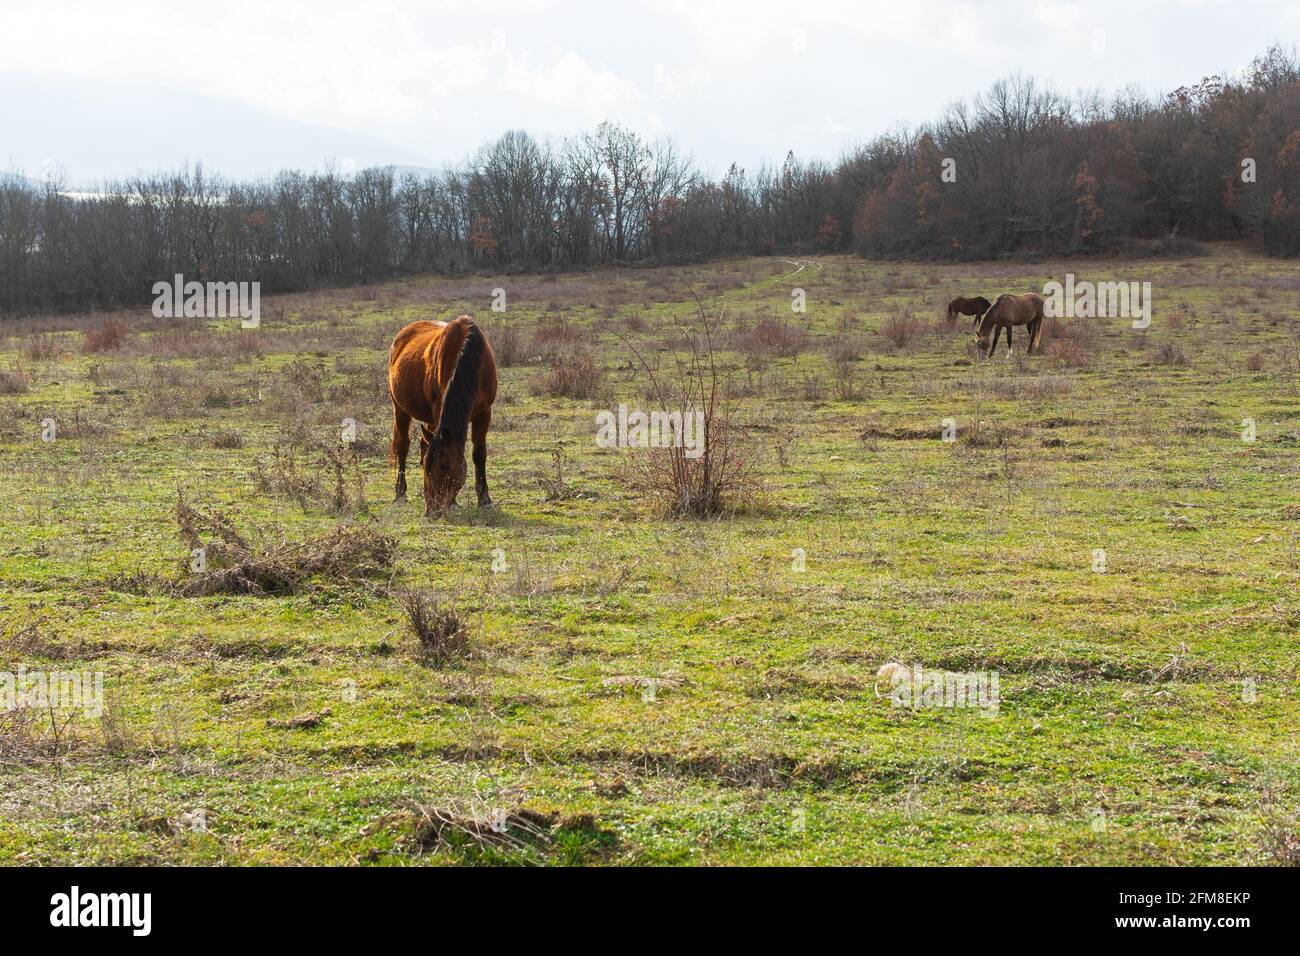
[(478, 431), (993, 346), (400, 446), (1008, 341)]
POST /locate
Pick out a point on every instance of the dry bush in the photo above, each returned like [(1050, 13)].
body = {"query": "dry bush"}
[(1070, 343), (1255, 362), (363, 382), (558, 330), (555, 487), (107, 335), (305, 379), (846, 347), (1170, 353), (723, 478), (20, 735), (14, 382), (845, 380), (577, 375), (42, 346), (509, 345), (233, 565), (181, 342), (298, 466), (1279, 838), (900, 328), (227, 439), (767, 338), (440, 633)]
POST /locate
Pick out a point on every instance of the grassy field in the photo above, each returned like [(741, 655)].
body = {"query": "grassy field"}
[(647, 690)]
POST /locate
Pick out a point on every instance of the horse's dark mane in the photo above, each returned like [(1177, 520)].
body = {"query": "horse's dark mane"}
[(458, 400)]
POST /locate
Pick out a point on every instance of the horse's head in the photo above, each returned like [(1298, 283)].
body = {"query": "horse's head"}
[(984, 326), (444, 473)]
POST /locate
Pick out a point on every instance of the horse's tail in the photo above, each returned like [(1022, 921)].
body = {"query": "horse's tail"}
[(458, 400)]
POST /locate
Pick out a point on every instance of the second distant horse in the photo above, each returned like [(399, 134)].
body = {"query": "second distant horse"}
[(963, 306)]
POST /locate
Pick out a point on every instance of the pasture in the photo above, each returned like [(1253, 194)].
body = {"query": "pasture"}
[(633, 688)]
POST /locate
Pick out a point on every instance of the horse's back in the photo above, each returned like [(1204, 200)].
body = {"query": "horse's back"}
[(407, 368), (415, 334)]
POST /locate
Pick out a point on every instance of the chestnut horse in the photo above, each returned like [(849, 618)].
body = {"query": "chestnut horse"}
[(443, 375), (1006, 311), (963, 306)]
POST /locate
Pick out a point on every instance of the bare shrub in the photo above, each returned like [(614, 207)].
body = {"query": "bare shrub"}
[(364, 382), (1279, 837), (845, 381), (555, 487), (107, 335), (282, 473), (900, 328), (846, 347), (440, 633), (14, 382), (558, 330), (42, 346), (305, 379), (721, 475), (769, 337), (20, 736), (1255, 362), (227, 439), (509, 345), (577, 375), (297, 466), (1070, 343), (1170, 353)]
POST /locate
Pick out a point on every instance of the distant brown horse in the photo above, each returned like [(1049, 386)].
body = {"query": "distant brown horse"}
[(443, 375), (963, 306), (1010, 310)]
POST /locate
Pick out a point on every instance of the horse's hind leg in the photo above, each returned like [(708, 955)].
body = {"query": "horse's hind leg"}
[(400, 446), (478, 432), (1035, 334)]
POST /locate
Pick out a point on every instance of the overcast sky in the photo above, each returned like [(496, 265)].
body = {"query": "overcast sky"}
[(250, 86)]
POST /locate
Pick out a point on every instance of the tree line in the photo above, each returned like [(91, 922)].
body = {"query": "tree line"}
[(1020, 171)]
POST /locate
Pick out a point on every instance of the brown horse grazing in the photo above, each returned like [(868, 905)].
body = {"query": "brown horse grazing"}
[(1009, 310), (963, 306), (444, 375)]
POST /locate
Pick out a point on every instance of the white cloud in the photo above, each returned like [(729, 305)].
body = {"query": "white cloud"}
[(739, 79)]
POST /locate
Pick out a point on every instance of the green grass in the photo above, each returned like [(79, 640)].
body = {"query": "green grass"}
[(1126, 732)]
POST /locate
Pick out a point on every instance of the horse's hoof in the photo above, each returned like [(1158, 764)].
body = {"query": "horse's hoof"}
[(485, 503)]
